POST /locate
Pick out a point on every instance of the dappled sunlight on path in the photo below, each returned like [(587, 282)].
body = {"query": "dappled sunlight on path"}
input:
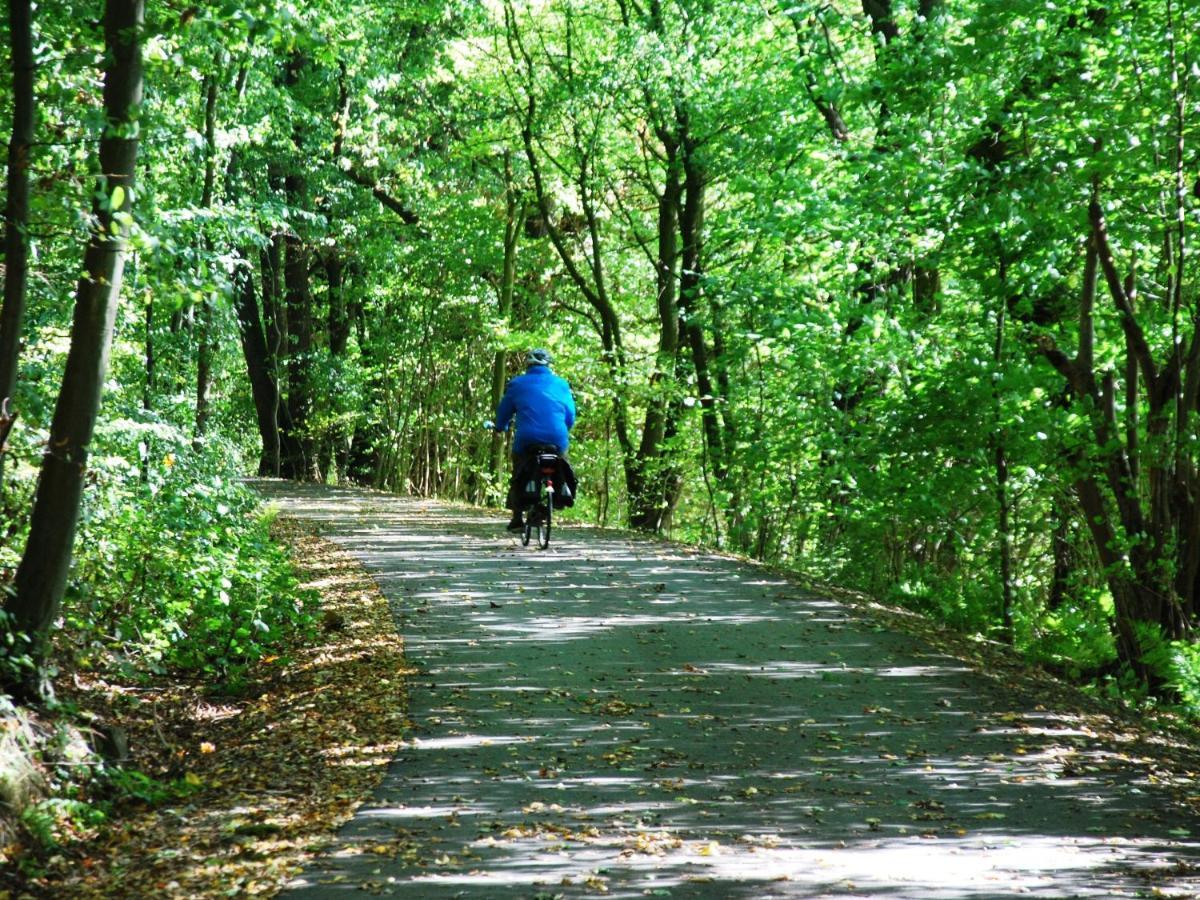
[(621, 716)]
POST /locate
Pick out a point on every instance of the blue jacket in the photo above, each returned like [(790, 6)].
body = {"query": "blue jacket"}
[(543, 406)]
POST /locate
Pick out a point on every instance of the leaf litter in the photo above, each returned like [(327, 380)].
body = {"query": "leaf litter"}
[(271, 771)]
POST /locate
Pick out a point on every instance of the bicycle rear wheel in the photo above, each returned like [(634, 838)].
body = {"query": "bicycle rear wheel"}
[(544, 524)]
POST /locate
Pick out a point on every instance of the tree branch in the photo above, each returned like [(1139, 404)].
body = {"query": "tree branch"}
[(407, 215), (1135, 338), (1064, 365), (1087, 326), (1120, 469), (829, 111)]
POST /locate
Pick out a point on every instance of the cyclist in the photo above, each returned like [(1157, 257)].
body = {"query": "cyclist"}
[(544, 409)]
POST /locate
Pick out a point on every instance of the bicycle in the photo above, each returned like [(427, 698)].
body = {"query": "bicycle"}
[(537, 500), (539, 496)]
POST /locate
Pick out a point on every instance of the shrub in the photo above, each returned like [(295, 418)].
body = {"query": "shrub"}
[(174, 563), (1176, 664)]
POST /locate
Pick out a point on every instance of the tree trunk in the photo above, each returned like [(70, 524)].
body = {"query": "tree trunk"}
[(205, 341), (301, 460), (514, 221), (258, 367), (363, 459), (42, 574), (691, 274), (275, 327), (1000, 460), (336, 449), (149, 355), (300, 456), (339, 316), (274, 313), (652, 483), (1142, 577), (1064, 561), (1004, 531), (16, 213)]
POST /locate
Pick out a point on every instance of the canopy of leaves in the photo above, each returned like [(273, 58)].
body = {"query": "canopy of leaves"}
[(806, 267)]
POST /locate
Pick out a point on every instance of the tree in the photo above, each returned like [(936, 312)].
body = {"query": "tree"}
[(804, 265), (42, 574), (16, 213)]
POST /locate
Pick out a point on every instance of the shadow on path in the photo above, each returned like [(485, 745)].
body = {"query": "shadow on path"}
[(620, 716)]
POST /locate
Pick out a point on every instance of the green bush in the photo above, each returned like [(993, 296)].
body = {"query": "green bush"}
[(1175, 664), (1076, 638), (49, 822), (174, 563), (132, 785), (1184, 674)]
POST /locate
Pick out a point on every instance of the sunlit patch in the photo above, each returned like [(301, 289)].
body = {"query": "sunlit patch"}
[(411, 812), (1008, 865), (572, 627), (460, 742)]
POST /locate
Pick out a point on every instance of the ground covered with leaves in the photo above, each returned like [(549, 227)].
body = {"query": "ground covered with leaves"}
[(230, 792)]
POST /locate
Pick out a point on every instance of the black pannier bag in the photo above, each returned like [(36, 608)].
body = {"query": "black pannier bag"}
[(538, 465)]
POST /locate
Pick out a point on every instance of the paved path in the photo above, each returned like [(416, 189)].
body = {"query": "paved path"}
[(615, 716)]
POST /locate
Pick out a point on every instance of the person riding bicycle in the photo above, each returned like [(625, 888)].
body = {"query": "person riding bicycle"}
[(544, 409)]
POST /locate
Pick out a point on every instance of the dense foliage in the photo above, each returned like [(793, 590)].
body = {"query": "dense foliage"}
[(174, 567), (899, 295)]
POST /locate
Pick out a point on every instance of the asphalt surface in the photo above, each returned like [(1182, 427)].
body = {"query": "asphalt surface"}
[(621, 717)]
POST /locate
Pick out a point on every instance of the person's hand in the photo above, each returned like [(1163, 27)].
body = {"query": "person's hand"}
[(489, 425)]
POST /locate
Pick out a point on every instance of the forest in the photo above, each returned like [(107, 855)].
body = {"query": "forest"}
[(898, 295)]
